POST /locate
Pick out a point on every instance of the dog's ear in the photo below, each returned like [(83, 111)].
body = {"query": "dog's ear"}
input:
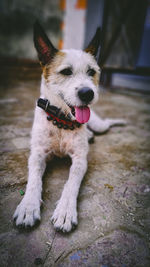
[(93, 46), (43, 45)]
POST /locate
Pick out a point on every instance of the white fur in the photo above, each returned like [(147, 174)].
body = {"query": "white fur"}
[(48, 140)]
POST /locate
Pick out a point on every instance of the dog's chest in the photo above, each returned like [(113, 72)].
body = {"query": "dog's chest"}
[(57, 141), (61, 142), (67, 142)]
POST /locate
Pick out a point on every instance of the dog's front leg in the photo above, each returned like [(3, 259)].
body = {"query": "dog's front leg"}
[(65, 214), (28, 211)]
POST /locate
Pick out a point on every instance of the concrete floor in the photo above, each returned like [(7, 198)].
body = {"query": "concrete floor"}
[(113, 204)]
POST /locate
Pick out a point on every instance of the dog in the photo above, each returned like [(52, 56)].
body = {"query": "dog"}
[(63, 125)]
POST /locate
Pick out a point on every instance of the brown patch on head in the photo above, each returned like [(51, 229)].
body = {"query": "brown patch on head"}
[(96, 79), (51, 68), (90, 49)]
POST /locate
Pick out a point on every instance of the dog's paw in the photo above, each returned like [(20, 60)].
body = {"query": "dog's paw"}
[(27, 213), (65, 217)]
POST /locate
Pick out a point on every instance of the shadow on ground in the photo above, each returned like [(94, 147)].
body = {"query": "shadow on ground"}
[(113, 204)]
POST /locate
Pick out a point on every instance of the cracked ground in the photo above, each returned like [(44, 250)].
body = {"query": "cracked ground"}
[(113, 203)]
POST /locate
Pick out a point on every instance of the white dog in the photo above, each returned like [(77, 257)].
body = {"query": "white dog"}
[(70, 83)]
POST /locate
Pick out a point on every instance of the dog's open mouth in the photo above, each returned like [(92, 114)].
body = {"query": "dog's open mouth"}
[(82, 114)]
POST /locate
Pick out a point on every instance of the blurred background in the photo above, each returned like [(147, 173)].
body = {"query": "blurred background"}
[(124, 56), (114, 201)]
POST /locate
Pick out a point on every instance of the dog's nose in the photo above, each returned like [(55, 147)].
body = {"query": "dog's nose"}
[(86, 94)]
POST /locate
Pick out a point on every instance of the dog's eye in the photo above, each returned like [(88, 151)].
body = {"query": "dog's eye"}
[(91, 72), (67, 71)]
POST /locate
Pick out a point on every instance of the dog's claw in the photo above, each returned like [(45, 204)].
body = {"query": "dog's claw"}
[(27, 214), (64, 219)]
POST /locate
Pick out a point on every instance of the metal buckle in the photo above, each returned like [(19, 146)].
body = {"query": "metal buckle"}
[(47, 103)]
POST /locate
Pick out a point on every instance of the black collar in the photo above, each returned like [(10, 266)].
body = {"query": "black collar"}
[(57, 116)]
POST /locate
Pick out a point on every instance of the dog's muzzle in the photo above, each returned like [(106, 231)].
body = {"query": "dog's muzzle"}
[(86, 95)]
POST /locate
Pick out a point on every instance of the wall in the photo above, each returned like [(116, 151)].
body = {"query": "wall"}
[(16, 25)]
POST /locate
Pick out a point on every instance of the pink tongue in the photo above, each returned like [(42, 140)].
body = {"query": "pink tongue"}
[(82, 114)]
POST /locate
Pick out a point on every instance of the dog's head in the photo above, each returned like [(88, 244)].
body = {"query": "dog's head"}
[(70, 75)]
